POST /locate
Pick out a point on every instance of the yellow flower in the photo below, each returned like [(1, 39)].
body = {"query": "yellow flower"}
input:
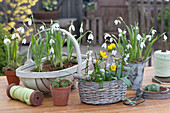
[(97, 61), (26, 20), (28, 11), (11, 24), (0, 0), (7, 1), (1, 13), (12, 19), (23, 17), (113, 45), (9, 11), (102, 53), (110, 47), (105, 56), (113, 67)]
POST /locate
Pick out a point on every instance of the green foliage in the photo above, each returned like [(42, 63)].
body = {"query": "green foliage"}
[(61, 82), (152, 88), (167, 17), (49, 5), (3, 57)]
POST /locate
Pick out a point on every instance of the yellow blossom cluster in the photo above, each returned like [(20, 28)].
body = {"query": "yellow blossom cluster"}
[(15, 10)]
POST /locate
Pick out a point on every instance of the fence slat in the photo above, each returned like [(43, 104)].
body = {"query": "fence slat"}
[(169, 22), (100, 29), (163, 16), (136, 10), (149, 25), (155, 15), (130, 11), (94, 29), (142, 17)]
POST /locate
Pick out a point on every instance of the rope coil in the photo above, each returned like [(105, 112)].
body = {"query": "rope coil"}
[(29, 96)]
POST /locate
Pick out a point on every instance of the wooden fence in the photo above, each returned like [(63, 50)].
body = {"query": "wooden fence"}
[(145, 12)]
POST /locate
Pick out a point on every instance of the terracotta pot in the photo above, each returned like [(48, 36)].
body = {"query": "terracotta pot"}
[(12, 78), (60, 96)]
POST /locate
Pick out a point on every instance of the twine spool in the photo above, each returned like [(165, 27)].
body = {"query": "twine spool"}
[(26, 95), (162, 63)]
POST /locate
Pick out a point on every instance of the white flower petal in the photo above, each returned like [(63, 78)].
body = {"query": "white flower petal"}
[(21, 29), (42, 28), (15, 35), (124, 32), (90, 37), (149, 37), (119, 30), (111, 40), (6, 40), (52, 41), (108, 65), (52, 50), (139, 37), (102, 70), (165, 37), (114, 52), (104, 45), (120, 35), (142, 45), (24, 41), (106, 35), (128, 46), (117, 22), (153, 31), (29, 22)]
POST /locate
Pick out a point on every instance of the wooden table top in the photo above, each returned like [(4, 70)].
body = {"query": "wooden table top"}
[(75, 106)]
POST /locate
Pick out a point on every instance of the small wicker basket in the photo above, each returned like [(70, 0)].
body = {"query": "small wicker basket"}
[(112, 92)]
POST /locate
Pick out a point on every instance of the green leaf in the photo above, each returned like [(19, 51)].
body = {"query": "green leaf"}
[(126, 81)]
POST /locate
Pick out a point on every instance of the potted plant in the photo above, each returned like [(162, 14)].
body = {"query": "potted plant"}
[(60, 90), (107, 83), (13, 57), (49, 51), (51, 10), (134, 48)]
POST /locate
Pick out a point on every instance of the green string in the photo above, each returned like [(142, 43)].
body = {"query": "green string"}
[(21, 93)]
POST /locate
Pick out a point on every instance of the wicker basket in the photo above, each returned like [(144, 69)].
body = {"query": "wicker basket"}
[(112, 92), (42, 80)]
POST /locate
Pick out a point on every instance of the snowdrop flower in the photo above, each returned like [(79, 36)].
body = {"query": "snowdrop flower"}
[(6, 40), (111, 40), (139, 37), (102, 70), (136, 27), (90, 37), (165, 37), (21, 29), (52, 41), (81, 28), (24, 41), (89, 52), (29, 22), (119, 30), (106, 35), (72, 27), (15, 35), (104, 45), (52, 50), (142, 45), (126, 58), (149, 36), (153, 31), (55, 26), (117, 22), (124, 32), (42, 28), (120, 35), (128, 46), (94, 61), (114, 52)]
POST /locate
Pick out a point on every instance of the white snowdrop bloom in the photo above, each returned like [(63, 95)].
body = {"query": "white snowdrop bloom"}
[(94, 61), (21, 29), (29, 22), (104, 45), (111, 40), (6, 40), (72, 27), (120, 35), (81, 28), (89, 52), (42, 28), (15, 35), (106, 35), (149, 37), (64, 33), (139, 37), (117, 22), (90, 37), (126, 58), (114, 52), (24, 41), (119, 30), (55, 26), (136, 27), (142, 45), (153, 31), (124, 32), (52, 50), (52, 41), (125, 50), (128, 46), (165, 37), (102, 70)]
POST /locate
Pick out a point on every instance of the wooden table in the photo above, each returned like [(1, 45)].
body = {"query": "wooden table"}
[(74, 105)]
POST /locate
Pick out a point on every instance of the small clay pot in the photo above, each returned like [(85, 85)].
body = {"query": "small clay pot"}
[(12, 78), (60, 96)]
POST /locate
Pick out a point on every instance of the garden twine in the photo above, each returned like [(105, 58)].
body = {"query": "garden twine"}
[(162, 63)]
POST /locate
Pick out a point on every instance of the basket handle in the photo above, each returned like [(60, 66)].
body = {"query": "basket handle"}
[(74, 42)]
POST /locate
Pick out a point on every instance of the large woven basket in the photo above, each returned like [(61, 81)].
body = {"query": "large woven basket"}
[(42, 80), (112, 92)]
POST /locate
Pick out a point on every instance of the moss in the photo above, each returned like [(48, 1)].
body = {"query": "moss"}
[(3, 55)]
